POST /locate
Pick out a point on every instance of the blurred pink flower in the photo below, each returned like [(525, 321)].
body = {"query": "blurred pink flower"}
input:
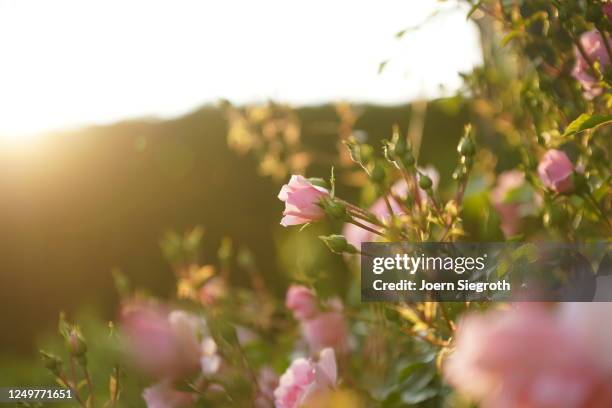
[(509, 212), (302, 302), (267, 380), (301, 199), (592, 324), (167, 345), (556, 171), (607, 9), (305, 379), (212, 291), (162, 395), (327, 329), (356, 235), (526, 358), (595, 50)]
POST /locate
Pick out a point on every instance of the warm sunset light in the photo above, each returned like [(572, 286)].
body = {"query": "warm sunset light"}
[(68, 63), (306, 203)]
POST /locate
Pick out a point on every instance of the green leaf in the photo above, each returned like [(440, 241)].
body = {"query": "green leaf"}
[(586, 122)]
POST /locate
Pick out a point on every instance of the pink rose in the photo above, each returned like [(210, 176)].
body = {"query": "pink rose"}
[(301, 199), (595, 50), (607, 9), (162, 395), (302, 302), (556, 171), (526, 357), (510, 212), (327, 329), (305, 379)]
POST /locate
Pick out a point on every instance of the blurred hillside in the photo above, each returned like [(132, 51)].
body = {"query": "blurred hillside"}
[(77, 204)]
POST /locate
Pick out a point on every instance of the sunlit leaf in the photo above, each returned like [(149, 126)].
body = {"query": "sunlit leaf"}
[(586, 122)]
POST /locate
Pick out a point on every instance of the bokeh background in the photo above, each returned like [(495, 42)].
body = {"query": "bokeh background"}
[(111, 134)]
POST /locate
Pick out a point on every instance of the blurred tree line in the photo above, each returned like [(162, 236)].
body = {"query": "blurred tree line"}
[(76, 205)]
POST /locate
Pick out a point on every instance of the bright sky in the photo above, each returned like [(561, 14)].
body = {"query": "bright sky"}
[(69, 63)]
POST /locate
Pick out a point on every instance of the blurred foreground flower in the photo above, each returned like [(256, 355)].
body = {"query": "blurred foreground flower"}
[(321, 328), (167, 345), (306, 380), (530, 357), (556, 171), (162, 395), (592, 44), (301, 199), (302, 302), (513, 198)]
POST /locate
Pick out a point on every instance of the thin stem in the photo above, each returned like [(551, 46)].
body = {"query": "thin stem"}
[(363, 214), (445, 317), (585, 56), (89, 384), (63, 378), (375, 221), (365, 227), (388, 203)]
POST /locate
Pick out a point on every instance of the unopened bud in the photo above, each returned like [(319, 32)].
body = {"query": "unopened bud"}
[(425, 182), (366, 153), (52, 362), (336, 210), (76, 344), (338, 244), (466, 146)]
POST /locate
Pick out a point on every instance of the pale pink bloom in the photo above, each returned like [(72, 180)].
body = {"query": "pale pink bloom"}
[(305, 379), (556, 171), (327, 329), (159, 346), (302, 200), (509, 212), (302, 302), (168, 345), (162, 395), (595, 50), (526, 358), (592, 324), (356, 235)]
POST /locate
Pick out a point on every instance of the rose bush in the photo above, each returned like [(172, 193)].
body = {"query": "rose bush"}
[(532, 164)]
